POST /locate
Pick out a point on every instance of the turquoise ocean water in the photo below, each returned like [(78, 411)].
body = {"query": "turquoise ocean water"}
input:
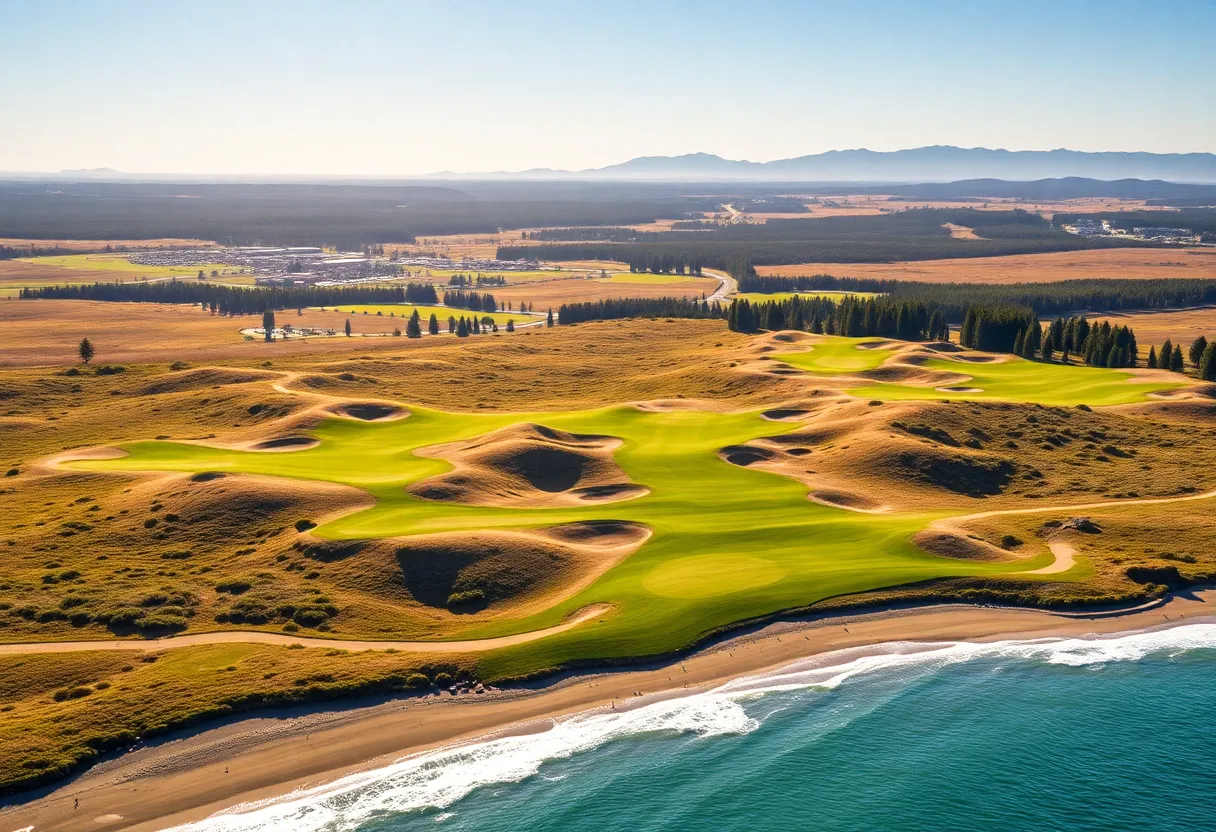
[(1116, 733)]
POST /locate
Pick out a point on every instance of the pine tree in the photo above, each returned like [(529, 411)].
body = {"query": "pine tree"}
[(413, 329), (1019, 343), (268, 324), (549, 319), (1049, 348), (1028, 341), (1152, 358), (1166, 354), (511, 325), (85, 350), (774, 319), (433, 325), (348, 327), (1176, 362), (1207, 363), (462, 329), (1197, 347)]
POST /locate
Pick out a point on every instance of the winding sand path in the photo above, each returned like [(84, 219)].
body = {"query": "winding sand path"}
[(282, 639), (1065, 555)]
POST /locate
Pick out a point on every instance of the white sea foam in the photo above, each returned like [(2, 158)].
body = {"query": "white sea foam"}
[(438, 779)]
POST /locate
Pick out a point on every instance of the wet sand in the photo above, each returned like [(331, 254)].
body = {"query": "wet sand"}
[(271, 753)]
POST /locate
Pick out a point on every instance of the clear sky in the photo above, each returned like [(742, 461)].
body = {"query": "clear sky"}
[(367, 87)]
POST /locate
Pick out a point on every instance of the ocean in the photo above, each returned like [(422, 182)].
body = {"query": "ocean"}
[(1111, 733)]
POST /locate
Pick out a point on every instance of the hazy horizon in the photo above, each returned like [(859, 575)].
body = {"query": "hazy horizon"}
[(407, 89)]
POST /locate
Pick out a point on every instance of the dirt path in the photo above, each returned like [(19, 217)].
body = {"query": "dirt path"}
[(1065, 555), (282, 639)]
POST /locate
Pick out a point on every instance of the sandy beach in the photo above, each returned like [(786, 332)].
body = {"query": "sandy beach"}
[(264, 754)]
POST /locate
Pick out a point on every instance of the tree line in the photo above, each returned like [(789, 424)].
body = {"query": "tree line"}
[(232, 300), (477, 301), (852, 317), (1057, 298), (616, 308), (661, 264)]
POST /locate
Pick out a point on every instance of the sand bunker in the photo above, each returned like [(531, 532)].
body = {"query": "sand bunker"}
[(845, 500), (745, 455), (529, 466), (285, 443), (784, 414), (878, 345), (600, 534), (369, 411)]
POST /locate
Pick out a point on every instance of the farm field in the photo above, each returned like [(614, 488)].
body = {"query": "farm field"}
[(760, 297), (646, 279), (121, 265), (1027, 268), (397, 312), (555, 293), (1181, 326)]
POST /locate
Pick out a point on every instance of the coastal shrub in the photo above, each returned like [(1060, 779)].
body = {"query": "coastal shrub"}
[(467, 601)]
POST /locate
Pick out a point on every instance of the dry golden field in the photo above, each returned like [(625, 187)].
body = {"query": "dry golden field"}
[(1027, 268), (1181, 326)]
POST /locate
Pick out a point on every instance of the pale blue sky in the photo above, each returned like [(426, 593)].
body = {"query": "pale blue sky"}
[(371, 87)]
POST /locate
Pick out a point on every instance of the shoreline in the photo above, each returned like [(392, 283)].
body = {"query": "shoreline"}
[(267, 754)]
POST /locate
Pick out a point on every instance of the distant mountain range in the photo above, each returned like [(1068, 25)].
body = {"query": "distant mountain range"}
[(942, 163)]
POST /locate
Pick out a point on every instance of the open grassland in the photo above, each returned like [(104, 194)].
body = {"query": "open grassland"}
[(759, 297), (121, 265), (510, 467), (94, 245), (1180, 326), (576, 290), (647, 279), (1125, 263)]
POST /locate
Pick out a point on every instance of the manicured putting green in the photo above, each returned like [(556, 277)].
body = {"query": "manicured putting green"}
[(728, 543), (839, 356), (405, 310)]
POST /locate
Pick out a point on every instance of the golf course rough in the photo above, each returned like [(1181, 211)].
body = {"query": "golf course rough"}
[(729, 544)]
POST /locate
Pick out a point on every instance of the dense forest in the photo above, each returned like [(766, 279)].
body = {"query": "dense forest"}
[(230, 300), (917, 234), (1043, 298), (348, 216), (851, 316)]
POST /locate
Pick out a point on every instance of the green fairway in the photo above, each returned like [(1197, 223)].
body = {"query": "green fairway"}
[(405, 310), (838, 356), (759, 297), (647, 279), (1011, 379), (1018, 380), (729, 543)]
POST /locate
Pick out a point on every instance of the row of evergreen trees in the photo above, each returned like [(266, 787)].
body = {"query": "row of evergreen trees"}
[(230, 300), (853, 317), (463, 280), (663, 264), (476, 301), (1202, 355), (615, 308)]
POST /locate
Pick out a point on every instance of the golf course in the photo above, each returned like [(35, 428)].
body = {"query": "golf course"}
[(728, 543)]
